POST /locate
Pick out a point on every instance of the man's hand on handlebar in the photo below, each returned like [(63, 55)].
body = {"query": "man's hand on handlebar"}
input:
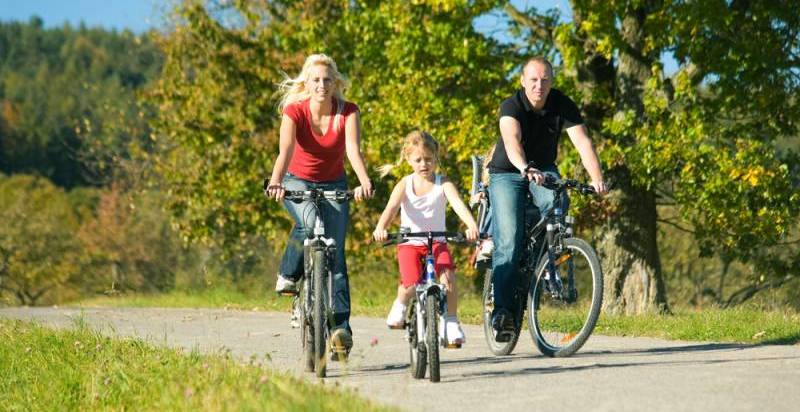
[(533, 174), (600, 187)]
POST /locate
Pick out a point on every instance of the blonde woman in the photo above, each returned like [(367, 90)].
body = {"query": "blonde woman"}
[(318, 129)]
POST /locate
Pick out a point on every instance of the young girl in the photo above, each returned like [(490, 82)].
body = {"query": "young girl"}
[(420, 197)]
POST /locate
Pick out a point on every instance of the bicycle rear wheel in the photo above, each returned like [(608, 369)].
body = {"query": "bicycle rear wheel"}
[(561, 322), (416, 350), (432, 335), (498, 348), (318, 316)]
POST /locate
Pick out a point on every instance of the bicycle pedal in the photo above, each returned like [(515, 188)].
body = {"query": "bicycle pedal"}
[(288, 294), (452, 346), (401, 326)]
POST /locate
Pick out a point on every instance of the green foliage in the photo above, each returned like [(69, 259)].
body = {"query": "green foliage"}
[(38, 250), (83, 370), (67, 99), (714, 139), (411, 65)]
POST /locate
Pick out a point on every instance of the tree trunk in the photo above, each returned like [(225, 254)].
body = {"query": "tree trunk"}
[(629, 250), (628, 240)]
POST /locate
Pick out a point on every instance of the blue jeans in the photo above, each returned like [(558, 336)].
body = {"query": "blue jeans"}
[(507, 197), (335, 216)]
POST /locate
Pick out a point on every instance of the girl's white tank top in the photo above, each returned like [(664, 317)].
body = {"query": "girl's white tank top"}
[(423, 213)]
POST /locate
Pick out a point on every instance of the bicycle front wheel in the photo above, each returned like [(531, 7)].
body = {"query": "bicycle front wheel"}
[(318, 314), (417, 353), (561, 319), (432, 335)]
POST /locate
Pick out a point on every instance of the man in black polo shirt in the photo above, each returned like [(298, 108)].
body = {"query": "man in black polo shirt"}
[(531, 121)]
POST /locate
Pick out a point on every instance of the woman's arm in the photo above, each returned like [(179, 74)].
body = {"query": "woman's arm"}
[(451, 193), (352, 131), (288, 139), (395, 199)]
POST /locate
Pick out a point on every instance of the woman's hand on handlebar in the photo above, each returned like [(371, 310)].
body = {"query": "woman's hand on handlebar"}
[(275, 191), (363, 192)]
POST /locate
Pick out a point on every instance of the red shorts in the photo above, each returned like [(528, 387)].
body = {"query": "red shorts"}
[(410, 258)]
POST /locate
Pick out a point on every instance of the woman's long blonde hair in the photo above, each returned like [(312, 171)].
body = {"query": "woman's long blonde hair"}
[(293, 90), (416, 139)]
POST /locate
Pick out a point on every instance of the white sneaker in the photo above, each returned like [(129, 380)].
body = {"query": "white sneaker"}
[(455, 335), (486, 249), (285, 286), (396, 320)]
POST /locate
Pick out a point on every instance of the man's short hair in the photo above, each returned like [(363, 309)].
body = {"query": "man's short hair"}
[(541, 60)]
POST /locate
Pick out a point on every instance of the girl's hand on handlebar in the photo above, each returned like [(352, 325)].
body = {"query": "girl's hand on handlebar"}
[(472, 233), (363, 192), (380, 235), (275, 191)]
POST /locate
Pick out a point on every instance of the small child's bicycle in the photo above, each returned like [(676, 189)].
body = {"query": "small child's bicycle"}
[(426, 308)]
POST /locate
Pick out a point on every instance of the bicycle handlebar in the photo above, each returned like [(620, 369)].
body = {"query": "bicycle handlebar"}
[(553, 183), (402, 237), (298, 196)]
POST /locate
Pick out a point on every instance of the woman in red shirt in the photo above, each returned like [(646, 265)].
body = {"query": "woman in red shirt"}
[(319, 127)]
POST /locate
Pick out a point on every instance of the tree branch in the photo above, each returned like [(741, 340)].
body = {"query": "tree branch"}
[(675, 225), (539, 28), (744, 294)]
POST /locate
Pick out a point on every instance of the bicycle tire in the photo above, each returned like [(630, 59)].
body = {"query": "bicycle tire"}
[(497, 348), (320, 341), (560, 327), (416, 349), (307, 331), (432, 335)]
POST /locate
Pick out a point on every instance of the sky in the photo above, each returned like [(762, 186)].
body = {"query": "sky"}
[(141, 15)]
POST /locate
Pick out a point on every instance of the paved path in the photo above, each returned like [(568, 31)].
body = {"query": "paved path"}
[(608, 374)]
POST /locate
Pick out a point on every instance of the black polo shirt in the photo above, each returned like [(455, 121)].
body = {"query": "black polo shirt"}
[(541, 129)]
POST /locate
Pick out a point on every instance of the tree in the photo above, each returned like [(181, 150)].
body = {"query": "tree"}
[(701, 140), (411, 65), (38, 251)]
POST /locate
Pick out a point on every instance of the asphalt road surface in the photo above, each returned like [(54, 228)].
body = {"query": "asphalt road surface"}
[(607, 374)]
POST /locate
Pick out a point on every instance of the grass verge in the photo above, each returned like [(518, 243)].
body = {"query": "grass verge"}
[(45, 369)]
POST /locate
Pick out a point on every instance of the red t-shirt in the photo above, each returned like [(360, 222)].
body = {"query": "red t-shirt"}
[(318, 158)]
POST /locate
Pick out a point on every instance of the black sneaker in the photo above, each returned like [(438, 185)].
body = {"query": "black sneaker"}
[(503, 325), (341, 343)]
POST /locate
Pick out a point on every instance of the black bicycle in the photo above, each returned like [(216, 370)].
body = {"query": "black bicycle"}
[(427, 306), (314, 304), (560, 282)]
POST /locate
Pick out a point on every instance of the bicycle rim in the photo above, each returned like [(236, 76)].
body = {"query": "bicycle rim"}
[(560, 325)]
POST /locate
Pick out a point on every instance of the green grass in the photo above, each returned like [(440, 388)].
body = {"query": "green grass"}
[(44, 369), (740, 325)]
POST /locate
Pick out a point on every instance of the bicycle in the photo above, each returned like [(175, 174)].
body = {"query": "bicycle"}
[(564, 297), (314, 303), (427, 306)]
